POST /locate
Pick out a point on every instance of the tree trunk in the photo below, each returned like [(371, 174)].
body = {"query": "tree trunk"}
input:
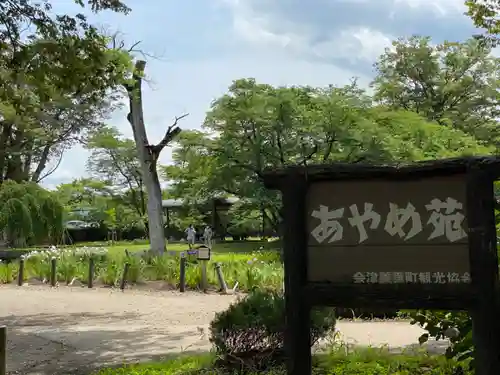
[(148, 158), (148, 163)]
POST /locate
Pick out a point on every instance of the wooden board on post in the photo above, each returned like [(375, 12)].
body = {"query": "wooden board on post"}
[(203, 255), (418, 236)]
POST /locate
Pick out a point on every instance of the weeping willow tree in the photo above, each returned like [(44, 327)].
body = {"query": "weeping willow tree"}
[(29, 214)]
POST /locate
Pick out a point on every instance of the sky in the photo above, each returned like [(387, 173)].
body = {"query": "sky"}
[(198, 47)]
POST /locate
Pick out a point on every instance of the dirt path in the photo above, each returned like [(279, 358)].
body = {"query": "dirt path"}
[(69, 330)]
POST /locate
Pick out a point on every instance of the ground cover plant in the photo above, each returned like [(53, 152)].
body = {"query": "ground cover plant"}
[(256, 268), (337, 360)]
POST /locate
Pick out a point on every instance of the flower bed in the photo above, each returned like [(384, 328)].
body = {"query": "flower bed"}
[(258, 269)]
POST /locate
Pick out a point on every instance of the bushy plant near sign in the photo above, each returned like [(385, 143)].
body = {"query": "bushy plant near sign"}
[(249, 334), (456, 326)]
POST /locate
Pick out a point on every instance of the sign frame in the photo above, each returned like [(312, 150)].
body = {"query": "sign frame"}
[(480, 297), (203, 253)]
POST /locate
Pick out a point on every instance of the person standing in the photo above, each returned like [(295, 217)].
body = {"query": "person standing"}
[(207, 236), (191, 236)]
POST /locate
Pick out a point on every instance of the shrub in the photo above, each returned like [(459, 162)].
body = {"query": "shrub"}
[(249, 334), (454, 325)]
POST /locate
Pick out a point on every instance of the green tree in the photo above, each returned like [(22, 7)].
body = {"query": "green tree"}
[(57, 81), (454, 84), (114, 159), (85, 199), (29, 214), (97, 201), (484, 14), (255, 126)]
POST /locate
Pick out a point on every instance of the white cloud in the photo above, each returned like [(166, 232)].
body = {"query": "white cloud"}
[(354, 45), (352, 30), (440, 7)]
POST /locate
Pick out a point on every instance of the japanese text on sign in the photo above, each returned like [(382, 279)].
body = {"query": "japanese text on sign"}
[(411, 277), (446, 219)]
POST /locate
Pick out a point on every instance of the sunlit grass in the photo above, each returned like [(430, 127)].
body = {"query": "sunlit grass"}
[(336, 361), (249, 264)]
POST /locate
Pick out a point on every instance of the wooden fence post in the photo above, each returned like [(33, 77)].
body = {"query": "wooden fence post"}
[(204, 278), (182, 275), (220, 276), (53, 271), (124, 276), (3, 350), (90, 282), (20, 274)]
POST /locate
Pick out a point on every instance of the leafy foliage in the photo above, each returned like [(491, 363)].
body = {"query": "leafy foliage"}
[(484, 14), (29, 214), (95, 201), (58, 80), (249, 334), (455, 326), (257, 126), (453, 84), (114, 159)]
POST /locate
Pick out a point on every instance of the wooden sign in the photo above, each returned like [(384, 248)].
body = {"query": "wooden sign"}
[(419, 236), (203, 253), (381, 232)]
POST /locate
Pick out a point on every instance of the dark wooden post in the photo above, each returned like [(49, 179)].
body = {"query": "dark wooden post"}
[(20, 274), (297, 311), (204, 276), (3, 350), (90, 283), (124, 276), (53, 272), (484, 271), (220, 276), (182, 274)]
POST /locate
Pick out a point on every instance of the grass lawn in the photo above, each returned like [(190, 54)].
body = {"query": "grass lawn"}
[(339, 361), (249, 246)]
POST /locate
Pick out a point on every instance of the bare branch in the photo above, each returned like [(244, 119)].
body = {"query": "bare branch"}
[(132, 48), (172, 132), (52, 170)]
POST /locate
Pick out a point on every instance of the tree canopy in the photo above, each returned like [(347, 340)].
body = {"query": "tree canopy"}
[(56, 80), (29, 214), (257, 126), (484, 14), (453, 84)]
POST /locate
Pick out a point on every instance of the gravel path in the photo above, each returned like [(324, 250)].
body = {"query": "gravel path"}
[(69, 330)]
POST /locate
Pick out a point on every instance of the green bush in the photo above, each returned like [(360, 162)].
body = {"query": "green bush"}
[(249, 334), (453, 325)]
